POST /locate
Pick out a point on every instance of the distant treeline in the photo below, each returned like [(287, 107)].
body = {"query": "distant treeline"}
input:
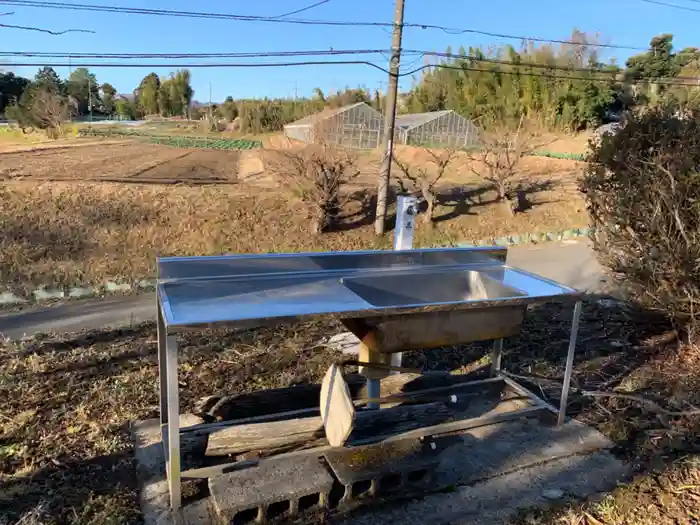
[(564, 86)]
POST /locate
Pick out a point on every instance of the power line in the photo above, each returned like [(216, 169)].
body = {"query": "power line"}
[(307, 8), (259, 54), (252, 18), (195, 64), (40, 30), (506, 63), (270, 54), (333, 52), (630, 80), (48, 31), (674, 6), (675, 81)]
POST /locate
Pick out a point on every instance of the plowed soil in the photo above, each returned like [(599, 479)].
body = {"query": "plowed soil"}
[(122, 162)]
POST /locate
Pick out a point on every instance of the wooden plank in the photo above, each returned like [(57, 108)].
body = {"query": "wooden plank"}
[(337, 408), (310, 431), (478, 387), (261, 436), (273, 401), (466, 424)]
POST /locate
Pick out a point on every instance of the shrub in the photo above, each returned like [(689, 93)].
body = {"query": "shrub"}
[(642, 188)]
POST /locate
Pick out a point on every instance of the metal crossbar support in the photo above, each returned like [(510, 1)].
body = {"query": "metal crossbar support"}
[(569, 364)]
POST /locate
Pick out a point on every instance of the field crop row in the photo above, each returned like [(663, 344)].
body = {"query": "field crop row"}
[(177, 141)]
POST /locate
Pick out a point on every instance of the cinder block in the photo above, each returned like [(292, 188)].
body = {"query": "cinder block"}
[(382, 468), (273, 490)]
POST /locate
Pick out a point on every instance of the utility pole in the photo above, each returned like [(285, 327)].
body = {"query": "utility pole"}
[(211, 111), (90, 97), (296, 94), (389, 119)]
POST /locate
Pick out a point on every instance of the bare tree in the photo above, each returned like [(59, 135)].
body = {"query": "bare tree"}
[(500, 153), (51, 111), (420, 181), (316, 173)]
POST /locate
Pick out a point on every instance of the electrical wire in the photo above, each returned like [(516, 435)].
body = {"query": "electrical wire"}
[(307, 8), (258, 54), (630, 80), (609, 79), (332, 52), (194, 65), (674, 6), (252, 18), (48, 31)]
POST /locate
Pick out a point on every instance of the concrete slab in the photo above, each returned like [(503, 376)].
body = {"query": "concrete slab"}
[(149, 451), (497, 500), (493, 450), (490, 471), (150, 467)]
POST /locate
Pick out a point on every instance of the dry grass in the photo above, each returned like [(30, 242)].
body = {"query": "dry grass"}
[(65, 453), (670, 496), (76, 233), (65, 456)]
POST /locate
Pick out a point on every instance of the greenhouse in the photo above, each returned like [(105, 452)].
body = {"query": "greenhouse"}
[(354, 126), (444, 129)]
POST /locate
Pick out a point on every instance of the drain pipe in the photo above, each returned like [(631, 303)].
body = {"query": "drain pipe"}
[(406, 211)]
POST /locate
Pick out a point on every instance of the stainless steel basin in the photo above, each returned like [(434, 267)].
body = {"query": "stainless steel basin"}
[(424, 288), (251, 290)]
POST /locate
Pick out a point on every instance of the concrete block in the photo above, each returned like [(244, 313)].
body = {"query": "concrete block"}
[(117, 287), (373, 461), (42, 294), (345, 342), (79, 292), (10, 298), (383, 468), (275, 489), (146, 284)]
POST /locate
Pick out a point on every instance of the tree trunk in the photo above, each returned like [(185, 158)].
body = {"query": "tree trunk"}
[(319, 221), (430, 199)]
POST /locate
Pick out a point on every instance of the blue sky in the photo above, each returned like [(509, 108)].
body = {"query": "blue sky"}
[(629, 22)]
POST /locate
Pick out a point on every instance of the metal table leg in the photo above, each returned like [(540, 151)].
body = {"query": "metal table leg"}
[(173, 466), (569, 364), (162, 373), (496, 354)]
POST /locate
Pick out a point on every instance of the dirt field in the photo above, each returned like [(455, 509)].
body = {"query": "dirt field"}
[(66, 457), (124, 161), (83, 215)]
